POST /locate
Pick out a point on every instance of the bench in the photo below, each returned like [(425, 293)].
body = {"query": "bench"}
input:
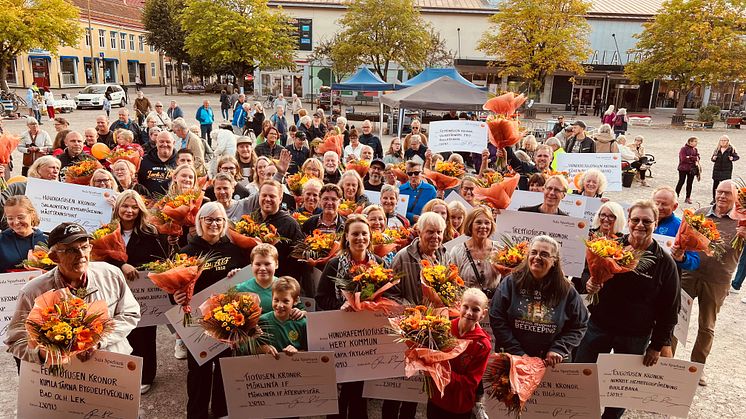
[(733, 122), (640, 120), (694, 125)]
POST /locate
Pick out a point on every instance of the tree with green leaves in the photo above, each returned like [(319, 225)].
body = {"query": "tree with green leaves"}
[(379, 32), (162, 20), (47, 25), (239, 34), (438, 54), (342, 65), (692, 43), (533, 39)]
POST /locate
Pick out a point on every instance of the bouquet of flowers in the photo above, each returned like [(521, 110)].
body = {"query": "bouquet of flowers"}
[(332, 142), (430, 345), (607, 257), (446, 175), (512, 379), (498, 195), (317, 248), (503, 128), (64, 325), (383, 244), (8, 143), (172, 212), (489, 178), (349, 207), (360, 166), (441, 285), (364, 285), (295, 183), (699, 233), (509, 255), (233, 318), (739, 213), (178, 273), (38, 259), (551, 172), (247, 233), (302, 216), (130, 154), (108, 243), (400, 171), (81, 173)]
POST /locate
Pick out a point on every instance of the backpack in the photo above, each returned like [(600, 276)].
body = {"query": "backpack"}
[(618, 120)]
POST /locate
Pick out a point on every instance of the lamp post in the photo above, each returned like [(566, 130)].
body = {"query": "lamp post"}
[(458, 34)]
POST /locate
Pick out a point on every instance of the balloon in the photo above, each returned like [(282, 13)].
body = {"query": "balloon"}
[(16, 179), (100, 151)]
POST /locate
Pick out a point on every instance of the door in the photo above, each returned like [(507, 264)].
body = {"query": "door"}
[(40, 69), (142, 73)]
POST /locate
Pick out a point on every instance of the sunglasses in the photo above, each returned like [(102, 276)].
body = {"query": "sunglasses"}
[(413, 173)]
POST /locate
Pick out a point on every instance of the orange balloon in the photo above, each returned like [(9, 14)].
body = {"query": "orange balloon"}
[(16, 179), (100, 151)]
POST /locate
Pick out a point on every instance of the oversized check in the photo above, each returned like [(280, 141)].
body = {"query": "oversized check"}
[(573, 205), (458, 135), (105, 386), (154, 302), (59, 202), (202, 347), (666, 388), (592, 205), (403, 389), (361, 341), (665, 242), (264, 387), (568, 231), (681, 331), (566, 391), (610, 164), (10, 284), (374, 197)]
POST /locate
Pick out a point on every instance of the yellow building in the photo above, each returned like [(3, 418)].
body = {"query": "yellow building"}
[(113, 50)]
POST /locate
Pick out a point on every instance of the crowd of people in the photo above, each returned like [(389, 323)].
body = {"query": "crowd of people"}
[(243, 167)]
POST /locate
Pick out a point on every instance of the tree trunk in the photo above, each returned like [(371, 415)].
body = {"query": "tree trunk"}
[(681, 101), (3, 76), (179, 75)]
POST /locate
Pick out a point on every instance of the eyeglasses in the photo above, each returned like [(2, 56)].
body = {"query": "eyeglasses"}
[(72, 251), (607, 216), (417, 173), (158, 106), (646, 222), (555, 190), (216, 221), (228, 169), (101, 181)]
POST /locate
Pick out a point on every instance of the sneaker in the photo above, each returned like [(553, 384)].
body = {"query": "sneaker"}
[(702, 381), (144, 388), (180, 350), (733, 290), (479, 412)]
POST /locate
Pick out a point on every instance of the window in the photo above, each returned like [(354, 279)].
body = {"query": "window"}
[(69, 67), (101, 38), (141, 43), (10, 76), (132, 42), (152, 69), (87, 37), (113, 39), (123, 41), (152, 48)]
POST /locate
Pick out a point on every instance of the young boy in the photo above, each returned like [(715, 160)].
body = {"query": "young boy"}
[(286, 335), (264, 262), (468, 368)]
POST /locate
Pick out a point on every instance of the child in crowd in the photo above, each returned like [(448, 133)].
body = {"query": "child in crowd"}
[(264, 262), (460, 394), (285, 334)]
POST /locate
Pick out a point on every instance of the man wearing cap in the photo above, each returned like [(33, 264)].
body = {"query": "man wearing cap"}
[(70, 248), (374, 179), (579, 142), (298, 152)]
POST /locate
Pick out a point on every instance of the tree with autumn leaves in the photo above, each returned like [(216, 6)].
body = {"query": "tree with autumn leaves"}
[(692, 43), (533, 39)]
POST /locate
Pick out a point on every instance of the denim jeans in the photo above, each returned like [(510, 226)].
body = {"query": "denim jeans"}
[(740, 272), (599, 341)]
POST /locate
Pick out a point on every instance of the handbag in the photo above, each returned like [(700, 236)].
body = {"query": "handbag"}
[(31, 156)]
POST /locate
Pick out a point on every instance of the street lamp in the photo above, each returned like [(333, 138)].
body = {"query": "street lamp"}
[(458, 33)]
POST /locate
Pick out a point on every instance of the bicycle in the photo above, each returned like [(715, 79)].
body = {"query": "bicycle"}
[(11, 102)]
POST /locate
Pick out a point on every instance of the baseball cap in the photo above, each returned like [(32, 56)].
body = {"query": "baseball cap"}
[(67, 233), (301, 135), (579, 123), (378, 162), (244, 140)]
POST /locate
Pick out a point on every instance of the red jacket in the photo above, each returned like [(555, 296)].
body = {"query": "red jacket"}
[(467, 370)]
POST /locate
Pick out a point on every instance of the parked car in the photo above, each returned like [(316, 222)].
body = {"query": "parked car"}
[(93, 96)]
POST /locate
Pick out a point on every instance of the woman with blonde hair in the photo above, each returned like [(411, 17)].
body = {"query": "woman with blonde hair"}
[(528, 145), (473, 257), (353, 188), (313, 168), (260, 174), (458, 214), (609, 115), (22, 233), (126, 175), (605, 140), (183, 180)]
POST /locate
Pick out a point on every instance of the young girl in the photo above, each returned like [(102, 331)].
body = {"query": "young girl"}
[(460, 394)]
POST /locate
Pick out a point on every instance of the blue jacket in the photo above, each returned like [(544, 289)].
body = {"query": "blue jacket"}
[(669, 226), (205, 116), (14, 249), (425, 191), (239, 117)]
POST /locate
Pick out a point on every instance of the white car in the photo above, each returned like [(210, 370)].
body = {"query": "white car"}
[(93, 96)]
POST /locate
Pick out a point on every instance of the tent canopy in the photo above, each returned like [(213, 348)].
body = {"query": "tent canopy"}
[(441, 94), (434, 73), (363, 80)]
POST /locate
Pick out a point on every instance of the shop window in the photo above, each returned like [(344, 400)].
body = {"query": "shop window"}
[(69, 69)]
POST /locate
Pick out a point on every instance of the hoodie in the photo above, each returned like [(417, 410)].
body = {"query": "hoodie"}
[(223, 257), (605, 143), (154, 173)]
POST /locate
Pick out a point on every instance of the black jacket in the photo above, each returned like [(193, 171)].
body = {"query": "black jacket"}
[(535, 208), (239, 192), (66, 160), (332, 177), (587, 145), (409, 153), (290, 231), (327, 297), (142, 248), (256, 123), (264, 149), (131, 125), (297, 158), (723, 167), (373, 142), (224, 256), (154, 173)]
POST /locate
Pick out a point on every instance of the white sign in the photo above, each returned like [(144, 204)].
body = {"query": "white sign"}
[(665, 242), (573, 205), (202, 347), (455, 196), (681, 331), (568, 231), (59, 202), (403, 389), (592, 205), (470, 136), (154, 302), (610, 164), (265, 387), (666, 388), (105, 386), (10, 284), (361, 341), (458, 241), (374, 197), (566, 391)]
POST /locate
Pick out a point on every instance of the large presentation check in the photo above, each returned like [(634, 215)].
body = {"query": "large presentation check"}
[(457, 136), (59, 202)]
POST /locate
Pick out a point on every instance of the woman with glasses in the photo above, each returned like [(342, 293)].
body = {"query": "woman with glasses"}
[(205, 382), (416, 130), (395, 153), (555, 190), (102, 178), (22, 233), (126, 176), (229, 165), (45, 167), (608, 222), (535, 310)]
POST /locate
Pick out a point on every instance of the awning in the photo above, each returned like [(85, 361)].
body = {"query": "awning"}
[(116, 60), (46, 57), (88, 59), (133, 61), (69, 57)]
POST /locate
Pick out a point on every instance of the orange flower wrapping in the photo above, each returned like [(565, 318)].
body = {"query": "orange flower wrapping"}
[(180, 278), (82, 172), (687, 238), (8, 143), (433, 362), (442, 182), (505, 104), (186, 213), (244, 242), (513, 379), (348, 207), (401, 176), (603, 269), (333, 252), (499, 194), (503, 133), (382, 250), (131, 156), (360, 167), (699, 233), (332, 143), (110, 246), (375, 302)]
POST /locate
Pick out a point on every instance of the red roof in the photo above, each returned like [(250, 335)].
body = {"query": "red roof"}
[(126, 13)]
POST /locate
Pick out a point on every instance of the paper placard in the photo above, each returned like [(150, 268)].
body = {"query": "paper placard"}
[(455, 242), (264, 387), (568, 231), (469, 136), (10, 284), (681, 330), (566, 391), (105, 386), (403, 389), (154, 302), (592, 205), (665, 242), (573, 205), (308, 303), (59, 202), (202, 347), (374, 197), (455, 196), (666, 388), (610, 164), (363, 348)]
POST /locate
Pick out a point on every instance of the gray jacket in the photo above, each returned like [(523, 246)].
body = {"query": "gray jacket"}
[(407, 262)]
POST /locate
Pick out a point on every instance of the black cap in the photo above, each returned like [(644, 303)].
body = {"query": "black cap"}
[(579, 123), (300, 135), (67, 233), (378, 162)]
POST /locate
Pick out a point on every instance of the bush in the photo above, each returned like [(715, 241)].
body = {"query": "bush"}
[(708, 113)]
